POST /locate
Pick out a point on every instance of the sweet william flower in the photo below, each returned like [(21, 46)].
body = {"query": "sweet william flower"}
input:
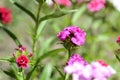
[(118, 40), (22, 61), (5, 15), (76, 58), (96, 5), (72, 34), (63, 2)]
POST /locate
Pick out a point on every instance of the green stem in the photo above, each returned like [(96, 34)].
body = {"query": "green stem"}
[(69, 53), (23, 74), (36, 28)]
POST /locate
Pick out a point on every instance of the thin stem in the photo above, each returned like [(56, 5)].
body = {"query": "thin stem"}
[(23, 74), (36, 28), (69, 53)]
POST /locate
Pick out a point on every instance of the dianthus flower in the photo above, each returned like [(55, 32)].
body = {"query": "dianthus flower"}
[(118, 39), (5, 15), (95, 71), (63, 2), (101, 70), (76, 58), (21, 48), (73, 34), (22, 61), (96, 5)]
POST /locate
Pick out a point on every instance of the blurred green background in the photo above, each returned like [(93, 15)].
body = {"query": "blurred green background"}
[(102, 30)]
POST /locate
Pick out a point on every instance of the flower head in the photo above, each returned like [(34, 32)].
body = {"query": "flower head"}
[(96, 5), (72, 34), (98, 70), (118, 39), (76, 58), (22, 61), (21, 48), (63, 2), (5, 15)]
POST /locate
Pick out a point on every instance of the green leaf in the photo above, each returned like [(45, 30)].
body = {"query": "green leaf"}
[(25, 10), (77, 15), (10, 73), (12, 35), (62, 75), (52, 53), (40, 28), (45, 75), (56, 14)]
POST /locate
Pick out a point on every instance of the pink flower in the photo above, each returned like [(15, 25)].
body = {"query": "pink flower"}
[(101, 70), (98, 70), (63, 2), (22, 61), (74, 34), (118, 39), (21, 48), (5, 15), (96, 5), (76, 58)]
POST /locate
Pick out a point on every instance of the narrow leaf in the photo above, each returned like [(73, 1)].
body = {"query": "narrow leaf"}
[(52, 53), (62, 75), (46, 72), (12, 35), (9, 73), (56, 14), (25, 10)]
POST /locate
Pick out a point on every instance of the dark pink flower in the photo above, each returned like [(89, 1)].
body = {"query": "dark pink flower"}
[(118, 39), (63, 2), (96, 5), (22, 61), (76, 58), (74, 34), (5, 15), (21, 48)]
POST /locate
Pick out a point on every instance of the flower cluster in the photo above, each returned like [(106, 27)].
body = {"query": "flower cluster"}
[(98, 70), (22, 57), (5, 15), (72, 34), (96, 5)]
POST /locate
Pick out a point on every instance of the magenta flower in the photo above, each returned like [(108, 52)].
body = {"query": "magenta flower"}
[(96, 5), (76, 58), (5, 15), (74, 34), (118, 39), (22, 61), (63, 2)]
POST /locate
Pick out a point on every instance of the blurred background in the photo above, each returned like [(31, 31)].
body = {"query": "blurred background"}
[(102, 30)]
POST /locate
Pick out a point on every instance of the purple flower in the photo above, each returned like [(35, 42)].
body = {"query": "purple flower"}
[(76, 58), (74, 34)]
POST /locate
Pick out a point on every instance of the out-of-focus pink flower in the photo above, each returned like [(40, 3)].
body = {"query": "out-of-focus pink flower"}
[(118, 39), (98, 70), (63, 2), (22, 61), (76, 58), (5, 15), (101, 70), (21, 48), (75, 34), (96, 5)]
